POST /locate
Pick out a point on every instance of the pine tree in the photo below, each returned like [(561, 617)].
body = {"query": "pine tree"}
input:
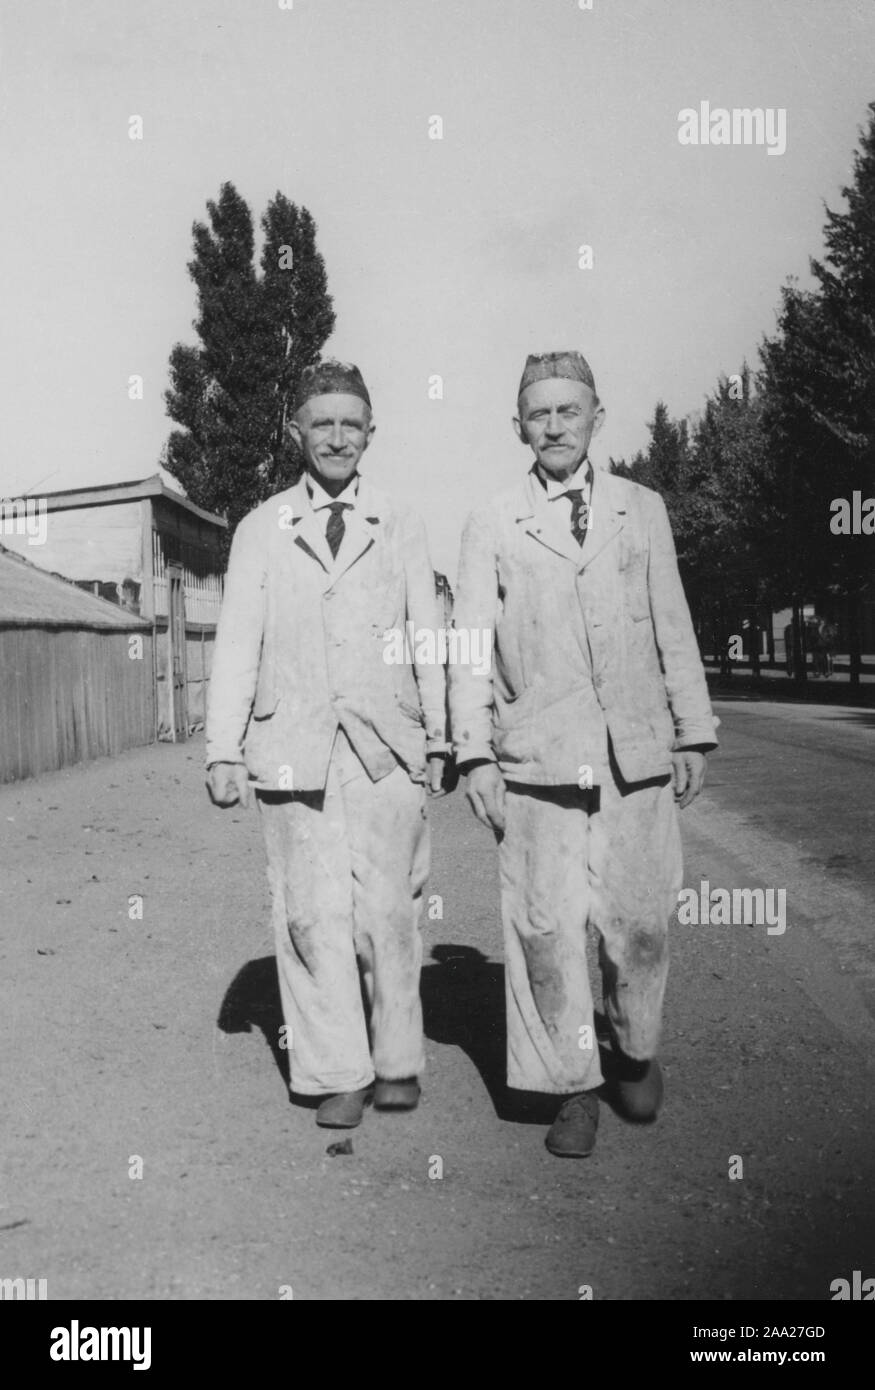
[(710, 480), (230, 394), (724, 514), (662, 466), (818, 380), (847, 281)]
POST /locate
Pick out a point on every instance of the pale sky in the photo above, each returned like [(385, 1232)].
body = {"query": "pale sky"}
[(454, 257)]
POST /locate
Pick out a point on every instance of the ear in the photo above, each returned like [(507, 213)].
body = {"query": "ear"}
[(598, 419), (295, 431), (370, 434), (519, 431)]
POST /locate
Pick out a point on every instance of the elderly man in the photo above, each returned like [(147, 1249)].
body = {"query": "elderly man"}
[(340, 746), (591, 727)]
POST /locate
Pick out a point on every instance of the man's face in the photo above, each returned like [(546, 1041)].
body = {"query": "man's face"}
[(558, 418), (333, 432)]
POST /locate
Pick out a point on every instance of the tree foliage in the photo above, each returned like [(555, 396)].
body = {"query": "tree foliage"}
[(818, 381), (230, 393), (749, 485)]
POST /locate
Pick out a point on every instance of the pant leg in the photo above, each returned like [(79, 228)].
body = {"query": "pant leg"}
[(544, 908), (310, 874), (636, 872), (389, 860)]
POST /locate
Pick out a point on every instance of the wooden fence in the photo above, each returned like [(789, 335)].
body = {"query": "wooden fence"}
[(69, 694)]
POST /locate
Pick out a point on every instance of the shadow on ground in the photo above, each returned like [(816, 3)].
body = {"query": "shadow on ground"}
[(252, 1000), (780, 690), (463, 1006), (865, 717)]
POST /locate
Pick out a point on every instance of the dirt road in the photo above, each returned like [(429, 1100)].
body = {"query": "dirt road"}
[(150, 1046)]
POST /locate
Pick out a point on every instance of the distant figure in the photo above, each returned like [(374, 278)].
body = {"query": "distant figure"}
[(822, 641), (788, 650)]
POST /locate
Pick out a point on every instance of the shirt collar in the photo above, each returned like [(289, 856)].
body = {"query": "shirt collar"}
[(319, 498), (581, 479)]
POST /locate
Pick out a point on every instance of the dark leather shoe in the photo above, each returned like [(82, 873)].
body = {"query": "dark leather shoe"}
[(639, 1090), (345, 1110), (397, 1095), (572, 1133)]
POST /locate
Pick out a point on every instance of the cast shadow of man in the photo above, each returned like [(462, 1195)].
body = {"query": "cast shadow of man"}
[(464, 1006), (253, 1000)]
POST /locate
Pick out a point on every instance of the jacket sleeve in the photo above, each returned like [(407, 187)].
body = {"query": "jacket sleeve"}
[(423, 612), (476, 609), (683, 672), (237, 651)]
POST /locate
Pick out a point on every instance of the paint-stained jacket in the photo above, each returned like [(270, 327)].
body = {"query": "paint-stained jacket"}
[(300, 644), (587, 643)]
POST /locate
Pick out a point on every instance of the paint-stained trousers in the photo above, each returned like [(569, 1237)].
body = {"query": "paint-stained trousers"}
[(346, 869), (608, 859)]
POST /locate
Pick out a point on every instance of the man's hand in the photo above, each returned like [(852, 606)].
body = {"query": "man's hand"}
[(689, 776), (435, 780), (485, 792), (228, 784)]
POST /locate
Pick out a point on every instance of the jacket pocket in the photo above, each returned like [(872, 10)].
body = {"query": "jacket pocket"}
[(633, 577), (264, 708), (410, 711), (637, 600), (510, 711), (512, 726)]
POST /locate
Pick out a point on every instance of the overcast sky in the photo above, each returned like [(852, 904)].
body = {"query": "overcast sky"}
[(454, 257)]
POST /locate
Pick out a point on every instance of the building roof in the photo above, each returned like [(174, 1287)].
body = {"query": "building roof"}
[(109, 493), (31, 597)]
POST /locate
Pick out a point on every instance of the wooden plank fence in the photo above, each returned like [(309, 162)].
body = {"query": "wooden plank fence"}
[(69, 694)]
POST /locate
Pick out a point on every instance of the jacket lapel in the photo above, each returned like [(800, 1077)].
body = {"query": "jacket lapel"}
[(305, 530), (608, 516), (362, 530), (545, 522)]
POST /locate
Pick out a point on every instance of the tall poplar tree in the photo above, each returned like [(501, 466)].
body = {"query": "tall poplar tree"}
[(231, 392)]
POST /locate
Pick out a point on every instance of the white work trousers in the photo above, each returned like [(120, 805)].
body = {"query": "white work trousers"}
[(570, 860), (347, 868)]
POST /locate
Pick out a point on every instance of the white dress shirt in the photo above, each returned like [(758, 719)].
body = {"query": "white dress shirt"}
[(557, 490), (321, 501)]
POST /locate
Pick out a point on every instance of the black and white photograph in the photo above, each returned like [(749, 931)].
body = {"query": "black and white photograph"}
[(437, 667)]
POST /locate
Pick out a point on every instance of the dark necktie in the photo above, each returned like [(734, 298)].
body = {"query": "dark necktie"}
[(336, 526), (579, 514)]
